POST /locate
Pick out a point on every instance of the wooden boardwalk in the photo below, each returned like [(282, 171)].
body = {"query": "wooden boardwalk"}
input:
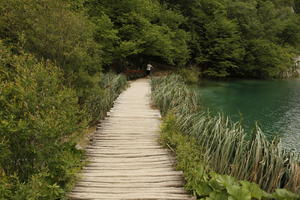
[(125, 159)]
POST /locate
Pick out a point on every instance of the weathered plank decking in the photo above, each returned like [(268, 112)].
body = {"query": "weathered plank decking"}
[(126, 160)]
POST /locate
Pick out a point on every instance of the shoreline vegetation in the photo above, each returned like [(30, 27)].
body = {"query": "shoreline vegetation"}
[(220, 153)]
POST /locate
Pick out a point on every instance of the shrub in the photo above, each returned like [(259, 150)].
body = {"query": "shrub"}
[(38, 116), (190, 75)]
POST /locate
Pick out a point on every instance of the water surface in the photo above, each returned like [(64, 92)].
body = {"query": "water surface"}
[(275, 105)]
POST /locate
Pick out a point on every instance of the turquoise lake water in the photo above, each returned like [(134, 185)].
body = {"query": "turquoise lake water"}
[(275, 105)]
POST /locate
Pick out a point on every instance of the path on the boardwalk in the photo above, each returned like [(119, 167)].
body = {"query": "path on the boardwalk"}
[(125, 159)]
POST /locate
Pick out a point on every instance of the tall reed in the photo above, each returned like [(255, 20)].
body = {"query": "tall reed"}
[(101, 97), (224, 142)]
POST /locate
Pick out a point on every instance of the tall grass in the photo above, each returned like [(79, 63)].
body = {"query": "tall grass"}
[(223, 142), (100, 98)]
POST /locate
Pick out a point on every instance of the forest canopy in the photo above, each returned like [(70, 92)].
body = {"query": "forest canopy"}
[(242, 38), (222, 38)]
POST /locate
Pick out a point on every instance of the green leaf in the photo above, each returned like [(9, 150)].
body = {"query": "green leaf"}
[(283, 194), (238, 193), (220, 182), (218, 195), (253, 188), (203, 188)]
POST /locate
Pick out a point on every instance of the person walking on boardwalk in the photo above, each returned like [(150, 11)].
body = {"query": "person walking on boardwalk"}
[(148, 69)]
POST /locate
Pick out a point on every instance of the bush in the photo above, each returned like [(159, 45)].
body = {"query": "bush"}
[(38, 116), (190, 75), (51, 30)]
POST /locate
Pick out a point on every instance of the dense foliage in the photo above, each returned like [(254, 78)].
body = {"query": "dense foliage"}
[(40, 121), (51, 88), (244, 38), (136, 31), (237, 38), (51, 30), (38, 116), (223, 144)]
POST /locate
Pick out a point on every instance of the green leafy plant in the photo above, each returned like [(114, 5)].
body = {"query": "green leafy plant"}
[(38, 117)]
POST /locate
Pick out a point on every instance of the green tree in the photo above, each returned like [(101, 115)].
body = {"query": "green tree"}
[(225, 33), (297, 6), (222, 49), (142, 30), (50, 30), (272, 58)]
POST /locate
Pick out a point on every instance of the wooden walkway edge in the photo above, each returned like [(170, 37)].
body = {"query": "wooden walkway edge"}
[(125, 159)]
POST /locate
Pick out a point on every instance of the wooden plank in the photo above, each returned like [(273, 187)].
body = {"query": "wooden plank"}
[(130, 190), (129, 170), (125, 155), (126, 158), (124, 167), (130, 173), (116, 147), (124, 146), (110, 152), (131, 185), (126, 140), (136, 196), (130, 165)]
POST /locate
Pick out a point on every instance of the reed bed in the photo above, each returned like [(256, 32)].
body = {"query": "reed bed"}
[(223, 142)]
